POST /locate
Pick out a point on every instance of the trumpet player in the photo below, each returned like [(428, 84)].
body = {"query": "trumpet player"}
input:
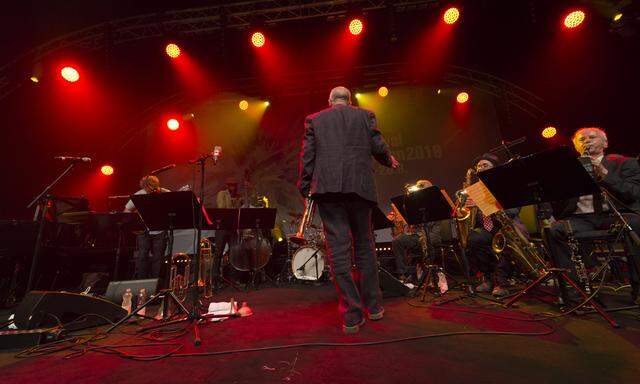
[(619, 176), (336, 171), (495, 273)]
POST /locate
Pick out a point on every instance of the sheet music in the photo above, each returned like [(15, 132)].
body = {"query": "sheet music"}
[(483, 198)]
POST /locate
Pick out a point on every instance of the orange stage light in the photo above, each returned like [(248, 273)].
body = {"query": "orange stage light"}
[(549, 132), (451, 15), (258, 39), (462, 97), (172, 50), (356, 27), (574, 19), (107, 170)]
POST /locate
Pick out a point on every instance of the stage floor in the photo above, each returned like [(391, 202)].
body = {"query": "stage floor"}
[(579, 350)]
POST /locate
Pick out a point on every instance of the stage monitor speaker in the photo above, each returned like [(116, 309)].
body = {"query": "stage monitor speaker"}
[(390, 286), (41, 309), (116, 289)]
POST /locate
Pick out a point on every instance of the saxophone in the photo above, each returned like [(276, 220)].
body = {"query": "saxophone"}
[(465, 216), (525, 254)]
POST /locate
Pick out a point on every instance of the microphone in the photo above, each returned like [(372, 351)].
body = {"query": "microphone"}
[(73, 158), (160, 170), (217, 152)]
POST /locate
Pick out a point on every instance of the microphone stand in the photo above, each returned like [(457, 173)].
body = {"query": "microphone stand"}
[(42, 200)]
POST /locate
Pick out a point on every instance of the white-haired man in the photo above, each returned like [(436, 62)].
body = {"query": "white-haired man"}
[(619, 177), (336, 171)]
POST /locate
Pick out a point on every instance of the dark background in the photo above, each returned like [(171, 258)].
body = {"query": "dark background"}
[(115, 113)]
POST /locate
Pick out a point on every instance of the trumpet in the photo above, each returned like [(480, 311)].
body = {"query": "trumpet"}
[(307, 218)]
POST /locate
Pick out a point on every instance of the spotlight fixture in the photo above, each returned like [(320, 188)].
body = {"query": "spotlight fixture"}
[(451, 15), (267, 103), (357, 95), (549, 132), (106, 170), (258, 39), (173, 124), (617, 16), (70, 74), (462, 97), (383, 91), (34, 79), (356, 27), (172, 50), (243, 105), (574, 19)]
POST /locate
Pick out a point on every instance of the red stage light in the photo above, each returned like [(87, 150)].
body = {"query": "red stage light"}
[(258, 39), (107, 170), (173, 124), (462, 97), (70, 74), (549, 132), (172, 50), (574, 19), (451, 15), (356, 27)]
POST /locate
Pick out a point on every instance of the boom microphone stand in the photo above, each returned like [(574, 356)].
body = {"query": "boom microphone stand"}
[(42, 200)]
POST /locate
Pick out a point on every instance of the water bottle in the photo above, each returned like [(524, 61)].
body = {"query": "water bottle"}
[(442, 282), (126, 300), (142, 298)]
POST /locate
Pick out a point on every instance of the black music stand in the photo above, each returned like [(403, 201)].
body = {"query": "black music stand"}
[(543, 177), (420, 208), (168, 211), (256, 219), (223, 219), (379, 219)]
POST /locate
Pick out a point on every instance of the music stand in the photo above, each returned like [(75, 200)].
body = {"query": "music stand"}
[(223, 219), (420, 208), (543, 177), (379, 219), (256, 219)]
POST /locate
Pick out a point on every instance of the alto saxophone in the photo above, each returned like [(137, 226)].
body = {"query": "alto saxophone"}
[(465, 216), (524, 252)]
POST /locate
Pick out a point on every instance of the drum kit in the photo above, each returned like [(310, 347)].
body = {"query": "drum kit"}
[(306, 248)]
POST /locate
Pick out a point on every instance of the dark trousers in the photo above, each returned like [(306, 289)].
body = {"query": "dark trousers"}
[(589, 222), (349, 239), (405, 247), (148, 264), (222, 239), (482, 257)]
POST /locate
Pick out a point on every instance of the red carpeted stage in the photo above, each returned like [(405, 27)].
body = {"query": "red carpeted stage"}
[(415, 343)]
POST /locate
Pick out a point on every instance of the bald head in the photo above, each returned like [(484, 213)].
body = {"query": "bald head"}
[(340, 95)]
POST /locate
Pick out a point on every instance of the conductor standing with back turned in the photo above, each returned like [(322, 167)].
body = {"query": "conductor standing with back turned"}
[(336, 171)]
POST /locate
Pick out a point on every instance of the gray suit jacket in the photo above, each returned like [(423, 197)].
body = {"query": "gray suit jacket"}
[(337, 151)]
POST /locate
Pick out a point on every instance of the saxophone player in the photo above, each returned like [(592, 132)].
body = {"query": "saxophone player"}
[(619, 176), (494, 273)]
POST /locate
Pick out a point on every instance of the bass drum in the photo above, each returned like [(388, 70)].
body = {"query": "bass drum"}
[(308, 263)]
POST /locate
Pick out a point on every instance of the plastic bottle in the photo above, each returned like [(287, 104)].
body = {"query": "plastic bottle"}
[(126, 300), (142, 297), (442, 282)]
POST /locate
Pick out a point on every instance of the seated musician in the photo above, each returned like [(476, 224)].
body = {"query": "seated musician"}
[(406, 244), (495, 273), (148, 264), (619, 177)]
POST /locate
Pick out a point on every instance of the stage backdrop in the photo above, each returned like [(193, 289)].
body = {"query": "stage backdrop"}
[(431, 135)]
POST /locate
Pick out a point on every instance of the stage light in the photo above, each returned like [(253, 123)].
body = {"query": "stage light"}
[(451, 15), (617, 16), (107, 170), (258, 39), (172, 50), (358, 95), (574, 19), (383, 91), (462, 97), (70, 74), (439, 91), (173, 124), (243, 105), (356, 27), (549, 132), (34, 79), (267, 103)]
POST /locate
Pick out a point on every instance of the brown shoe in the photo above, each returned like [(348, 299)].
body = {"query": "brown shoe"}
[(349, 330)]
